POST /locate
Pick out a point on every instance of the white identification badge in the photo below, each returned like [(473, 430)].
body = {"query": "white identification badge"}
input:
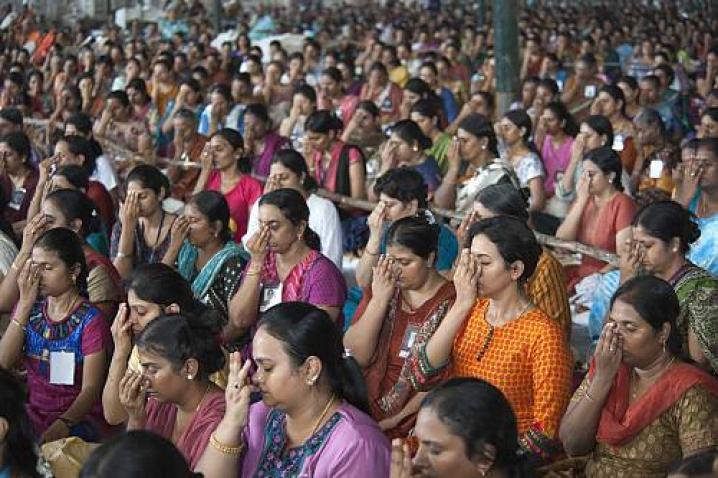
[(62, 368), (589, 91), (618, 142), (271, 296), (656, 169), (408, 342)]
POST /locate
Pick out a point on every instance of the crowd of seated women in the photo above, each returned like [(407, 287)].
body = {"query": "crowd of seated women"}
[(325, 263)]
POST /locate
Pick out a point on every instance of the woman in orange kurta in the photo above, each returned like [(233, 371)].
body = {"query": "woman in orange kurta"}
[(502, 337)]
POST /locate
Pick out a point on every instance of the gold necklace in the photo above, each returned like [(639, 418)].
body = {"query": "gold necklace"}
[(321, 417)]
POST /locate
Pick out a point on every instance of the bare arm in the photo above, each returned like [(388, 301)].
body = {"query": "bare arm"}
[(372, 250), (538, 194), (580, 422), (439, 347), (363, 335), (571, 225)]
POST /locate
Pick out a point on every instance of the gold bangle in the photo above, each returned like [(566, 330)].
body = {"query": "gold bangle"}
[(17, 323), (589, 397), (251, 272), (14, 267), (224, 448), (372, 253), (122, 255)]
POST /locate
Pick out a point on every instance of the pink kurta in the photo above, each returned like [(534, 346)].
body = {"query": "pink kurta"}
[(240, 199), (193, 441)]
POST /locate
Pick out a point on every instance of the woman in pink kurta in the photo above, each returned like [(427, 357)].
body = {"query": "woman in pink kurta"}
[(177, 355), (240, 199), (260, 440)]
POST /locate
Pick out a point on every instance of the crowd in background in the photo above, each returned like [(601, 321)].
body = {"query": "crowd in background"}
[(177, 285)]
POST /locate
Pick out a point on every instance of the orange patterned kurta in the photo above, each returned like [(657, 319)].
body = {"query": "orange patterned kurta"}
[(528, 360)]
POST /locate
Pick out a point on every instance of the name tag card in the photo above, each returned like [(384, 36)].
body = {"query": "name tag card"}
[(62, 368)]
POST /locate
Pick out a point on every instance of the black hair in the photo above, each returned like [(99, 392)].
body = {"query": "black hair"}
[(258, 110), (182, 336), (504, 200), (68, 247), (416, 234), (568, 123), (139, 85), (160, 284), (307, 331), (18, 142), (550, 84), (479, 126), (323, 122), (651, 118), (295, 162), (419, 87), (601, 126), (19, 442), (235, 140), (430, 65), (193, 84), (630, 81), (608, 161), (480, 415), (617, 94), (429, 108), (151, 178), (411, 134), (653, 79), (223, 90), (667, 70), (588, 58), (121, 96), (293, 206), (12, 115), (75, 175), (136, 453), (186, 114), (81, 146), (404, 184), (379, 66), (656, 302), (522, 120), (214, 207), (74, 204), (370, 107), (333, 73), (710, 144), (513, 239), (306, 91), (665, 220), (81, 122)]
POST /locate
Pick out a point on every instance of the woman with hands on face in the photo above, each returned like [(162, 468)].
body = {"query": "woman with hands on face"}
[(402, 193), (204, 253), (60, 339), (172, 395), (142, 235), (495, 333), (601, 214), (154, 290), (286, 264), (225, 169), (289, 170), (312, 419), (638, 393), (407, 301), (594, 132), (662, 235)]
